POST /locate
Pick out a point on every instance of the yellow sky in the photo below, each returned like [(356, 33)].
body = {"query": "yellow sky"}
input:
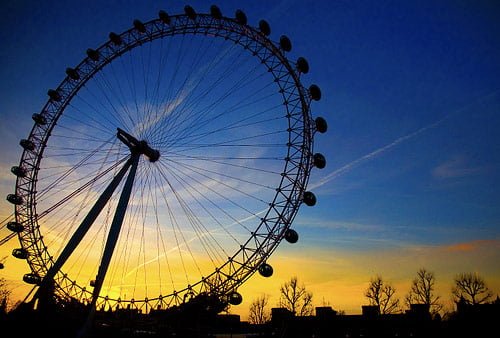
[(338, 278)]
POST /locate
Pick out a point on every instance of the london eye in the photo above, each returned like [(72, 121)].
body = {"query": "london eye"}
[(169, 163)]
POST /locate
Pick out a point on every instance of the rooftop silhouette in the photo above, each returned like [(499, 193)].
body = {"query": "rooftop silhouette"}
[(201, 318)]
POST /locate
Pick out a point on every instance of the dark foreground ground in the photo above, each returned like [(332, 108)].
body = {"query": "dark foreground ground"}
[(471, 322)]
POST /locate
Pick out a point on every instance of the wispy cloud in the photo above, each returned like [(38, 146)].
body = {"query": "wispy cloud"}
[(377, 152), (340, 275), (165, 111), (340, 224), (455, 167), (472, 246)]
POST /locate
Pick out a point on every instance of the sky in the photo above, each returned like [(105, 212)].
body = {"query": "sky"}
[(411, 94)]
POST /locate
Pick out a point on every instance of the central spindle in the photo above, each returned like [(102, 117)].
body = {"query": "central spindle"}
[(138, 147)]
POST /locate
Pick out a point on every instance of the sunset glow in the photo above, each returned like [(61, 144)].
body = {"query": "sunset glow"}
[(411, 93)]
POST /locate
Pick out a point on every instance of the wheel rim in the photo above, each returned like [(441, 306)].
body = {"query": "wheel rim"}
[(223, 197)]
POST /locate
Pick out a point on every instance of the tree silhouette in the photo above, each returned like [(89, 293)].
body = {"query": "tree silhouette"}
[(4, 296), (258, 313), (296, 298), (382, 295), (422, 291), (472, 288)]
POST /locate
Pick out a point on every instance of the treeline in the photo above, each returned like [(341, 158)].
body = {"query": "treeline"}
[(468, 288)]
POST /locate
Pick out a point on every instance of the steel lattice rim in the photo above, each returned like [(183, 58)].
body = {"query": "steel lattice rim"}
[(283, 208)]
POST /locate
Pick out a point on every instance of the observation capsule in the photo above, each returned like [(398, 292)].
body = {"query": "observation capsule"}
[(27, 144), (18, 171), (15, 226), (285, 43), (139, 26), (54, 95), (190, 12), (15, 199), (164, 17), (39, 119), (309, 198), (93, 54), (72, 74), (241, 17), (32, 278), (315, 92), (302, 65), (291, 236), (319, 160), (235, 298), (215, 12), (266, 270), (115, 39), (20, 253), (321, 125), (264, 27)]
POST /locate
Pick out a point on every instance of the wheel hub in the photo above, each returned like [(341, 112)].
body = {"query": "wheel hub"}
[(138, 147)]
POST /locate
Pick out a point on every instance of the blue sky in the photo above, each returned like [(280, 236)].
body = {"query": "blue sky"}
[(411, 93)]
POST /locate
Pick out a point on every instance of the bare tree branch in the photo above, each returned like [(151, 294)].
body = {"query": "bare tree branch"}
[(471, 288), (296, 298), (258, 313), (422, 291), (5, 293), (382, 295)]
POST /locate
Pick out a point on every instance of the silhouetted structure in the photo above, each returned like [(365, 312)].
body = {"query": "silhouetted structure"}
[(327, 323), (201, 318), (479, 320), (469, 321)]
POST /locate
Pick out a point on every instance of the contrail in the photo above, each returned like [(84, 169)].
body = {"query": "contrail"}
[(373, 154), (342, 170), (346, 168), (177, 247)]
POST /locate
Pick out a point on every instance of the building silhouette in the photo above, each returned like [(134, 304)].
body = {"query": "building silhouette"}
[(202, 319)]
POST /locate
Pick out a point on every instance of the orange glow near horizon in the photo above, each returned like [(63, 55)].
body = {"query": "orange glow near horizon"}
[(237, 130), (337, 277)]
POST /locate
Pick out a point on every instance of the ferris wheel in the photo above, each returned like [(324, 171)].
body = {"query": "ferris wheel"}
[(169, 163)]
